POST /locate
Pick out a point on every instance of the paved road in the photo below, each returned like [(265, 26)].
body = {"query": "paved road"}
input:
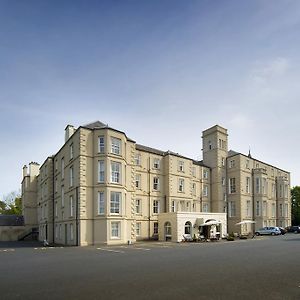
[(262, 268)]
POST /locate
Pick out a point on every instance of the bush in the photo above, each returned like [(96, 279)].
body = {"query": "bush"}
[(230, 238)]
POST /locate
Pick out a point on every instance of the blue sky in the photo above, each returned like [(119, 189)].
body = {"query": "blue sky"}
[(162, 71)]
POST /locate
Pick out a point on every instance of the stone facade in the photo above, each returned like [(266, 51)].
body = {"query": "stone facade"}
[(103, 187)]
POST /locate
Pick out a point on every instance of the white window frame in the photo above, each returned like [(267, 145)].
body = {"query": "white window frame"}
[(248, 185), (115, 169), (156, 163), (232, 185), (62, 168), (138, 226), (181, 185), (71, 151), (205, 207), (205, 174), (138, 206), (205, 191), (248, 208), (115, 203), (137, 159), (181, 166), (101, 144), (173, 206), (156, 206), (115, 230), (101, 171), (232, 163), (115, 146), (72, 206), (101, 203), (232, 209), (71, 176), (155, 228), (257, 208), (62, 196), (71, 232), (138, 181), (156, 183)]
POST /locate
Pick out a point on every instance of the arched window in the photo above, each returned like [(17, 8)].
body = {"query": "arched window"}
[(188, 227), (168, 229)]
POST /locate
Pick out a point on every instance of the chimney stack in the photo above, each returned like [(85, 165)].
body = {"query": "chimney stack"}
[(69, 130), (25, 171), (34, 169)]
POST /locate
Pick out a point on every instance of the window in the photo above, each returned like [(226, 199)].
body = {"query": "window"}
[(55, 185), (187, 228), (181, 166), (138, 203), (194, 188), (257, 208), (232, 187), (168, 229), (223, 180), (101, 171), (231, 209), (205, 207), (223, 161), (155, 183), (115, 145), (100, 203), (232, 163), (205, 191), (264, 208), (55, 208), (137, 159), (173, 206), (247, 164), (138, 229), (101, 145), (56, 231), (115, 172), (115, 229), (156, 163), (56, 165), (180, 184), (71, 232), (138, 181), (257, 166), (209, 145), (155, 228), (272, 172), (194, 171), (273, 190), (71, 206), (286, 210), (155, 206), (205, 174), (71, 151), (71, 176), (220, 143), (115, 202), (273, 210), (257, 185), (264, 186), (60, 232), (62, 197), (280, 191), (248, 209), (281, 210), (62, 168), (247, 185)]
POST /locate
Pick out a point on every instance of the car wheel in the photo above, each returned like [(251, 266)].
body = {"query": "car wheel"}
[(257, 233), (273, 233)]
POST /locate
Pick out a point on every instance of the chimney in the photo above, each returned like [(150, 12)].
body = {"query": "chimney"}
[(69, 130), (34, 169), (25, 171)]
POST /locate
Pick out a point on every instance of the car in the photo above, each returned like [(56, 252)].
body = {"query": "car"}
[(268, 231), (282, 230), (295, 229)]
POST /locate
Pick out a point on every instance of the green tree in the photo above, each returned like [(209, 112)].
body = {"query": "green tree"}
[(295, 198), (11, 204)]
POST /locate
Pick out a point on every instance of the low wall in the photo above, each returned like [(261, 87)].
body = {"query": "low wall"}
[(10, 233)]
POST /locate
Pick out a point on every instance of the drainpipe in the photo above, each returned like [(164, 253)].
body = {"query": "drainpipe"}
[(253, 201)]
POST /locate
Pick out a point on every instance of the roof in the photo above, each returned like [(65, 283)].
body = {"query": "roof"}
[(232, 153), (95, 125), (149, 149)]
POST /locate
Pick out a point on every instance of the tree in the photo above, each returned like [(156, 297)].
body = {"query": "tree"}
[(295, 198), (11, 204)]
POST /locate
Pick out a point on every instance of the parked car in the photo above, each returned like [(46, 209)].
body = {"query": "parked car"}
[(295, 229), (268, 231), (282, 230)]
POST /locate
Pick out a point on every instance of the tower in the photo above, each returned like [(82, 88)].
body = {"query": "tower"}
[(215, 149)]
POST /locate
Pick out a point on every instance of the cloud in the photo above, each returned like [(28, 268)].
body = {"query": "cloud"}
[(264, 72)]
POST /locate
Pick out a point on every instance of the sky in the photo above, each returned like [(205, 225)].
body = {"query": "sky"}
[(161, 71)]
